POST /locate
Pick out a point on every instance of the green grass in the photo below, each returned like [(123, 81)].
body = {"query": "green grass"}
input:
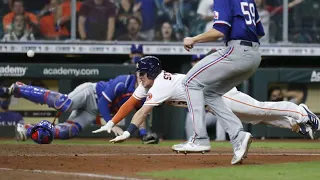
[(258, 144), (285, 171)]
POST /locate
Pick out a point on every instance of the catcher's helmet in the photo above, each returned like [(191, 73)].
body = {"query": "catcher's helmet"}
[(43, 132), (150, 65)]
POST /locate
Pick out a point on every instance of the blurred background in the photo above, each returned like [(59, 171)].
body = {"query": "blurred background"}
[(79, 41)]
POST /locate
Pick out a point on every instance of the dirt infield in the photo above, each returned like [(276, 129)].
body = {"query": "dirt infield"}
[(122, 161)]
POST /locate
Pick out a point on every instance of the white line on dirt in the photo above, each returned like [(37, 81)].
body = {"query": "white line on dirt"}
[(162, 154), (73, 174)]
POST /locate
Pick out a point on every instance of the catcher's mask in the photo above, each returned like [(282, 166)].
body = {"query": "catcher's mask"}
[(43, 132)]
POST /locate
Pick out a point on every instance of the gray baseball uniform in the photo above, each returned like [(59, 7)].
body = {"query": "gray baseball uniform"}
[(217, 73), (212, 77), (84, 104)]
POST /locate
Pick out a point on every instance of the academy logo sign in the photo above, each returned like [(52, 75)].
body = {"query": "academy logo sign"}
[(315, 76), (11, 71), (71, 71)]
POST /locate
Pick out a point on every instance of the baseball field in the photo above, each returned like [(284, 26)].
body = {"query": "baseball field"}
[(98, 159)]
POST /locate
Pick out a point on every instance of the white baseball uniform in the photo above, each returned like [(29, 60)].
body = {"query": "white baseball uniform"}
[(167, 88)]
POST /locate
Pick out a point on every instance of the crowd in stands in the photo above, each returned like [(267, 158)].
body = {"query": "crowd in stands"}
[(144, 20)]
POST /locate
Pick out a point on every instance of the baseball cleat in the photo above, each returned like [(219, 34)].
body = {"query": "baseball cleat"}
[(313, 119), (190, 147), (21, 132), (14, 87), (241, 151), (304, 129)]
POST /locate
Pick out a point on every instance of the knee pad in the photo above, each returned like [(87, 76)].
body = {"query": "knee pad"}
[(58, 101), (67, 130)]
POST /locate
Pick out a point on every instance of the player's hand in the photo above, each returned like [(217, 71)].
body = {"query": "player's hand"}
[(188, 43), (117, 130), (108, 127), (121, 138)]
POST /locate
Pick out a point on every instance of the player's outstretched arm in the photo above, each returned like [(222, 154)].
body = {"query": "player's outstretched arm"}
[(138, 118), (124, 110)]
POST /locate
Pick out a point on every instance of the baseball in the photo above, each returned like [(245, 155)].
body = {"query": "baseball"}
[(30, 53)]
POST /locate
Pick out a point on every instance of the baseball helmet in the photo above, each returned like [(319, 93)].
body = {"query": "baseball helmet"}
[(43, 132), (150, 65)]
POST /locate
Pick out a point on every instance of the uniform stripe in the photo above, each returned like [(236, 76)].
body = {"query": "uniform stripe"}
[(222, 22), (194, 75), (137, 97), (105, 96), (272, 109)]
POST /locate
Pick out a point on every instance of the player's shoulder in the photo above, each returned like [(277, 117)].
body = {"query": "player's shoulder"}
[(166, 79)]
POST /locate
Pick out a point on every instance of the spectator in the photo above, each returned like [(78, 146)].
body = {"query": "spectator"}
[(7, 117), (18, 31), (205, 10), (166, 33), (97, 20), (168, 10), (265, 19), (147, 9), (33, 6), (18, 9), (296, 93), (276, 15), (136, 53), (210, 118), (275, 94), (133, 30), (125, 10), (50, 26)]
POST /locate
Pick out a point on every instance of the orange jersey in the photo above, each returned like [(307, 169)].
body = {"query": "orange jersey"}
[(48, 28), (8, 18)]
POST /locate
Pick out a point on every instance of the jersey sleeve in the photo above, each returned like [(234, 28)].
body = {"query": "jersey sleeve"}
[(140, 92), (158, 93), (222, 16), (115, 88)]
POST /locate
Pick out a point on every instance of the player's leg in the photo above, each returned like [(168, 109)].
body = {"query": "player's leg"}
[(244, 104), (211, 120), (220, 71), (78, 120), (41, 95), (188, 126), (81, 97), (250, 110), (84, 97)]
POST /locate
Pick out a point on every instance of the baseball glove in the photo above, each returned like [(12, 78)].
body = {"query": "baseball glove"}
[(150, 139)]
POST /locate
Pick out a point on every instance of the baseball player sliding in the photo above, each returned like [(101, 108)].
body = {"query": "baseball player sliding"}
[(159, 86), (85, 102)]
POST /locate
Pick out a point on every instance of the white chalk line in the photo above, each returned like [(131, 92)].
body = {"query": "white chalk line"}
[(91, 175), (159, 154)]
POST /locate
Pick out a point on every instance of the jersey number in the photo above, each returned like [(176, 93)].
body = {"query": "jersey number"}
[(167, 76), (249, 11)]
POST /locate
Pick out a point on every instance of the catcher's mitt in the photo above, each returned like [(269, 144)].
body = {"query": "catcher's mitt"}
[(150, 139)]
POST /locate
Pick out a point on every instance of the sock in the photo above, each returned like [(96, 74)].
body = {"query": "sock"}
[(142, 132)]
